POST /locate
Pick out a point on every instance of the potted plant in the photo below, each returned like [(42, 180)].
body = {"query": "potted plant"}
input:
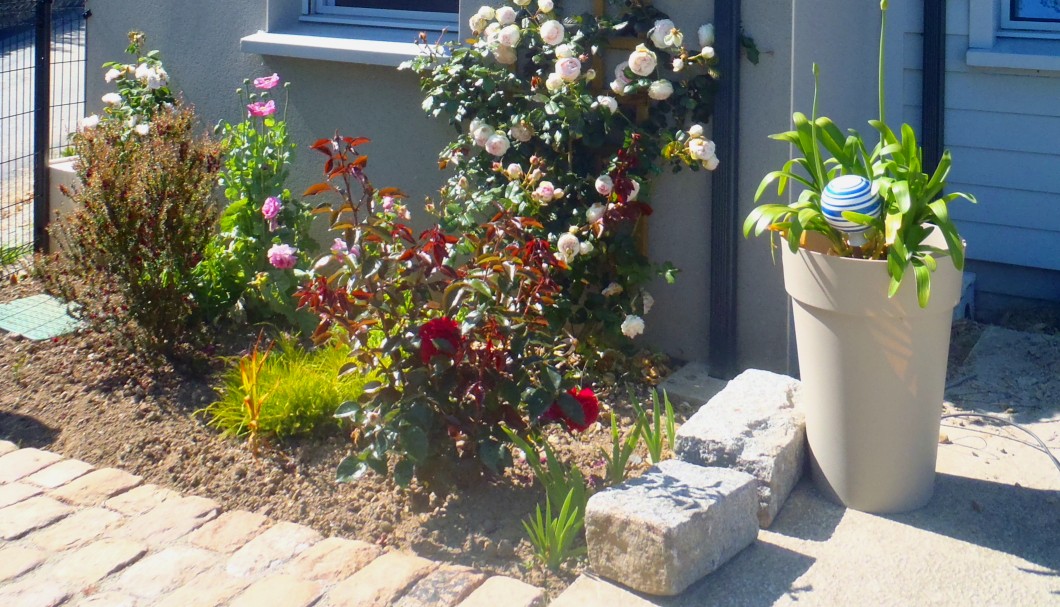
[(872, 347)]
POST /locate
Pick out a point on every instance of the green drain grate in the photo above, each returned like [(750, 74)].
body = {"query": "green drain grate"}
[(37, 317)]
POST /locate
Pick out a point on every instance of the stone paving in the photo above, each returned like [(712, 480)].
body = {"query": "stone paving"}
[(77, 536)]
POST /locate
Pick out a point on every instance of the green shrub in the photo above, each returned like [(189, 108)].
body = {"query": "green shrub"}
[(298, 390)]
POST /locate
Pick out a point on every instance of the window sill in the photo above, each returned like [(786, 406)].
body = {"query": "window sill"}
[(1022, 55), (340, 43)]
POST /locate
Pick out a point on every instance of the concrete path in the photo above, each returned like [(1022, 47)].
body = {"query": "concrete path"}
[(76, 536)]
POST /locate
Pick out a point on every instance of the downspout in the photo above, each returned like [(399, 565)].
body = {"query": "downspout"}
[(933, 100), (725, 194)]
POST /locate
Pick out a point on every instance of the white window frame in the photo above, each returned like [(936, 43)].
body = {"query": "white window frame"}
[(325, 11), (994, 47), (1026, 27)]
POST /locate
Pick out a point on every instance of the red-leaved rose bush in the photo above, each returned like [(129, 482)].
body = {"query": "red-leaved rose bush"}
[(459, 329)]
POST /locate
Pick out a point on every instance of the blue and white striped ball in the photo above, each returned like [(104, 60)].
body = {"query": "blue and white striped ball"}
[(850, 193)]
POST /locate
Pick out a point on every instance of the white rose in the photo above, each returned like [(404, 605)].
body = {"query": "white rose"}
[(706, 35), (585, 248), (660, 31), (554, 82), (679, 64), (142, 129), (567, 247), (711, 163), (635, 190), (565, 50), (505, 55), (89, 122), (708, 52), (660, 90), (491, 32), (552, 32), (112, 75), (604, 185), (632, 326), (142, 71), (478, 23), (569, 68), (112, 99), (620, 72), (521, 132), (675, 39), (700, 148), (612, 290), (618, 87), (487, 13), (595, 213), (642, 61), (515, 170), (156, 80), (558, 194), (506, 15), (482, 134), (608, 102), (510, 36), (545, 6), (696, 131), (498, 144), (544, 192), (648, 301)]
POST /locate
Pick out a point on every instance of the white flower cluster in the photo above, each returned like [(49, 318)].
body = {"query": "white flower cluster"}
[(702, 149), (643, 61), (568, 246), (486, 137)]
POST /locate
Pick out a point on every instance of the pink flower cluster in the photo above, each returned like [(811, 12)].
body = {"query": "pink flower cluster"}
[(283, 256), (271, 210)]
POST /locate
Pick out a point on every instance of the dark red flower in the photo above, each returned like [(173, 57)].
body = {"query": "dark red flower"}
[(440, 336), (590, 410)]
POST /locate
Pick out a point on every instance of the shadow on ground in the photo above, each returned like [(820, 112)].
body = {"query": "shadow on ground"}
[(26, 431)]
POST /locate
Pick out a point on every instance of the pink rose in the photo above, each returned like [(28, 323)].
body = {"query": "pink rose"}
[(262, 109), (569, 68), (267, 82), (272, 207), (283, 256)]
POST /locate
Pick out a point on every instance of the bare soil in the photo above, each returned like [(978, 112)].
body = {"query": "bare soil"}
[(84, 396)]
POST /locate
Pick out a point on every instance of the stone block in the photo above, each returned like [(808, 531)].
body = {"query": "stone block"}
[(754, 426), (16, 560), (13, 493), (31, 592), (76, 530), (501, 590), (158, 573), (332, 560), (23, 462), (96, 487), (212, 588), (446, 586), (169, 521), (230, 531), (591, 590), (691, 384), (107, 599), (7, 447), (140, 499), (279, 591), (381, 582), (678, 522), (274, 547), (89, 565), (29, 515), (59, 473)]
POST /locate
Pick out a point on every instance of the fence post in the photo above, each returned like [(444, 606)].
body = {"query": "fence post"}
[(41, 123)]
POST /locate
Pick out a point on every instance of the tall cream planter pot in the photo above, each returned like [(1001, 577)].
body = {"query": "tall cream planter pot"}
[(873, 377)]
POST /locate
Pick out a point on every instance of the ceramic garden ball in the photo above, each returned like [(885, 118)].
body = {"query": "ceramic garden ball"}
[(850, 193)]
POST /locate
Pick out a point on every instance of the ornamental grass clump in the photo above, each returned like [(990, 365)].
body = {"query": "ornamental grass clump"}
[(550, 130)]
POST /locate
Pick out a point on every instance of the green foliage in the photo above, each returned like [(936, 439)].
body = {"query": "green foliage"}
[(142, 87), (914, 202), (621, 450), (289, 391), (145, 215), (558, 479), (553, 537), (660, 429), (10, 255)]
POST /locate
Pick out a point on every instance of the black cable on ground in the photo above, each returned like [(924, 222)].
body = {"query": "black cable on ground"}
[(1000, 420)]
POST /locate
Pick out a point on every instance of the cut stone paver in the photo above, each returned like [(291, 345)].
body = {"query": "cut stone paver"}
[(332, 560), (158, 573), (31, 592), (274, 547), (691, 384), (678, 522), (229, 532), (95, 487), (279, 591), (13, 493), (87, 566), (28, 515), (7, 447), (446, 586), (140, 499), (23, 462), (381, 582), (59, 473), (16, 560), (169, 521), (76, 530), (212, 588), (107, 599), (591, 590), (754, 426), (501, 590)]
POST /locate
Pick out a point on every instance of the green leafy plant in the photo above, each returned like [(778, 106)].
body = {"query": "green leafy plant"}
[(914, 202), (142, 89), (621, 450), (558, 479), (660, 429), (285, 390), (553, 537)]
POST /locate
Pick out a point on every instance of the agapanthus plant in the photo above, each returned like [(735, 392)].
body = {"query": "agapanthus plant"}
[(554, 126)]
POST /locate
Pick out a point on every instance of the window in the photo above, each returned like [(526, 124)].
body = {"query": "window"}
[(1019, 35), (432, 15), (1031, 15)]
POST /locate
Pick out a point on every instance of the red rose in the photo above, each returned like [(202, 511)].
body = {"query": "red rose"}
[(440, 329), (590, 410)]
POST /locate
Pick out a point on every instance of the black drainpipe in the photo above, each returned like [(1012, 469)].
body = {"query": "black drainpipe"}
[(934, 94), (724, 225)]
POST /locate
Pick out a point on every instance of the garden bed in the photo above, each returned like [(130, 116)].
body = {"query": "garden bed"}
[(83, 396)]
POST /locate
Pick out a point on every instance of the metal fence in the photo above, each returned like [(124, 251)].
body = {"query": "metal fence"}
[(42, 99)]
